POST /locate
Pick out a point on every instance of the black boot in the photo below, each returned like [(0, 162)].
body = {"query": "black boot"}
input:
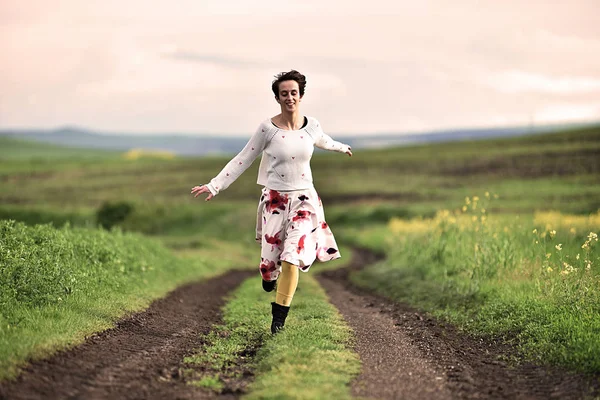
[(279, 315), (269, 286)]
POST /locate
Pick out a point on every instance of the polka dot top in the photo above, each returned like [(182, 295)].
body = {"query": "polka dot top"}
[(285, 163)]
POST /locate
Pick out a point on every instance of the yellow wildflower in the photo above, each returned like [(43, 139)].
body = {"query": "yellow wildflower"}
[(474, 218), (577, 256), (588, 265), (568, 268), (559, 247), (548, 255), (534, 231), (483, 210), (464, 208), (564, 272), (475, 198), (552, 233), (549, 269), (467, 200), (487, 195), (496, 196)]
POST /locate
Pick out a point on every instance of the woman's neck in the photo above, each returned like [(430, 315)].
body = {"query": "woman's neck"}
[(290, 121)]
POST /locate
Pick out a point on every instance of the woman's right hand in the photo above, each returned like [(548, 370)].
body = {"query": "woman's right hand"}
[(198, 190)]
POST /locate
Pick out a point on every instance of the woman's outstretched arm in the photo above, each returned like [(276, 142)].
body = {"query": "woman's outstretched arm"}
[(325, 142), (236, 166)]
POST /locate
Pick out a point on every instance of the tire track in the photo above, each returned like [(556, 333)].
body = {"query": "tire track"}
[(407, 354), (140, 358)]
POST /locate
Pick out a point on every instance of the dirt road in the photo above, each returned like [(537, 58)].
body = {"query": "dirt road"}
[(140, 358), (406, 354)]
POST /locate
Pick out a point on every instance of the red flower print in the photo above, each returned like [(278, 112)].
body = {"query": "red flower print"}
[(267, 267), (273, 240), (324, 225), (300, 247), (276, 201), (301, 215)]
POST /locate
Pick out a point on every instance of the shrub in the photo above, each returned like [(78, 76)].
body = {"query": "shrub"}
[(112, 214)]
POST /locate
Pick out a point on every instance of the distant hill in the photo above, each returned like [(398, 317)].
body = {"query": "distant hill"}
[(211, 144), (181, 145)]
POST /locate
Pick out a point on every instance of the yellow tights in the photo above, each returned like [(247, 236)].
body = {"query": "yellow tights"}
[(287, 284)]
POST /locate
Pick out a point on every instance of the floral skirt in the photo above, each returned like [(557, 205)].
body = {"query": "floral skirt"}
[(290, 226)]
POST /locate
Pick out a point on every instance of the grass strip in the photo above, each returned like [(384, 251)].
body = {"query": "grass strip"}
[(310, 359), (59, 285), (533, 281)]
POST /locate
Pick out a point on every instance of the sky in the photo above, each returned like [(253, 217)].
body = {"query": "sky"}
[(378, 66)]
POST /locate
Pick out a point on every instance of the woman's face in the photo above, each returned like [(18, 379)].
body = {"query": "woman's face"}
[(289, 96)]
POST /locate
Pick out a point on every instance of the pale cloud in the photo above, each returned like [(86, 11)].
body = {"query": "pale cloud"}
[(215, 59), (568, 112), (382, 66), (515, 81)]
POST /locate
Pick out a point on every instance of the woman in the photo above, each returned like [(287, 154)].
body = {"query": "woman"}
[(290, 224)]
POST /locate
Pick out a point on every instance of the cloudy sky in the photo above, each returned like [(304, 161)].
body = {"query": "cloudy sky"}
[(193, 66)]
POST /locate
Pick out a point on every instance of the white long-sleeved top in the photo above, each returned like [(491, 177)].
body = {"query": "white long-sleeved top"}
[(285, 163)]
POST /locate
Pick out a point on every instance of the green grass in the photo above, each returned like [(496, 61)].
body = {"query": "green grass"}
[(549, 171), (45, 184), (12, 149), (499, 278), (309, 359), (59, 285)]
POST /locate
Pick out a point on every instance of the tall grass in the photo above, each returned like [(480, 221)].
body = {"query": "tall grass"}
[(58, 285), (533, 280)]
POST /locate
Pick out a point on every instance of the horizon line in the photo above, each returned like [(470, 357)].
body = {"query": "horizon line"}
[(530, 126)]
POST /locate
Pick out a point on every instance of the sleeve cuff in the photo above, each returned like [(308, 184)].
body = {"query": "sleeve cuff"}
[(212, 189)]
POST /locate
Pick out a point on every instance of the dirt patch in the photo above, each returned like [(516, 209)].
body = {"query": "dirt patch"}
[(411, 355), (409, 197), (141, 358), (546, 164)]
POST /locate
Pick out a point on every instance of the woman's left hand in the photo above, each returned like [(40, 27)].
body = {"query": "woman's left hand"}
[(198, 190)]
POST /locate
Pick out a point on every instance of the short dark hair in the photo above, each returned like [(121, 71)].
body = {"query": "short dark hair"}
[(292, 75)]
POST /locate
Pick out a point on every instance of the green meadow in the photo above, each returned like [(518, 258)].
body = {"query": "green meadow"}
[(109, 220)]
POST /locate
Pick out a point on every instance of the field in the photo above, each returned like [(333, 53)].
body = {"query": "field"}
[(496, 238)]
